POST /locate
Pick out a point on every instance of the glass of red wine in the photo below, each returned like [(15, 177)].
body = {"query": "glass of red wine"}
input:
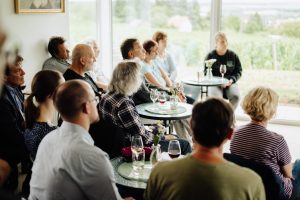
[(174, 150), (162, 98)]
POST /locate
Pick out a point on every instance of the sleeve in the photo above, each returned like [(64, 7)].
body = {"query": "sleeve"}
[(283, 153), (130, 119), (97, 177), (173, 69), (237, 72), (145, 68)]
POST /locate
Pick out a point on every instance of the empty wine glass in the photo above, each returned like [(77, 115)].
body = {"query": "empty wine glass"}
[(222, 70), (153, 95), (174, 150), (138, 154)]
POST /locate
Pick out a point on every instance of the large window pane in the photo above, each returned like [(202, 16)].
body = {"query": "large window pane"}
[(83, 23), (266, 36), (185, 21)]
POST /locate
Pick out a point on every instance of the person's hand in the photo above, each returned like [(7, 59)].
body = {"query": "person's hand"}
[(170, 137), (129, 198), (228, 84), (181, 97)]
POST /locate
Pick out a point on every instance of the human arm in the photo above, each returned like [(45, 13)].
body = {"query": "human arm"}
[(237, 69), (287, 170), (151, 79), (131, 122), (172, 66), (165, 77), (284, 159)]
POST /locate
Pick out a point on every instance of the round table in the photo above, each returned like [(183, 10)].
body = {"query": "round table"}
[(204, 83), (166, 118)]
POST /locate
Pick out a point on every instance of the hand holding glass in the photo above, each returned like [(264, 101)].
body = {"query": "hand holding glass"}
[(222, 71), (138, 154), (174, 150), (154, 95)]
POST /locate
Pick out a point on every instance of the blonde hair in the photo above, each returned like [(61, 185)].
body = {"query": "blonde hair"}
[(126, 78), (260, 103), (220, 34)]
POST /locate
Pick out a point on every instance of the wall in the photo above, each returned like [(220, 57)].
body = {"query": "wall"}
[(32, 32)]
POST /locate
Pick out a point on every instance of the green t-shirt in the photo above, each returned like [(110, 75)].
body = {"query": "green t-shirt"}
[(189, 178)]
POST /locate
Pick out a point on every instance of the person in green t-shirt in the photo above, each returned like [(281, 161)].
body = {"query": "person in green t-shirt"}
[(205, 174)]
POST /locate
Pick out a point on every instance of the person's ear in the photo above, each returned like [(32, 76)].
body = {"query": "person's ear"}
[(85, 108), (82, 61), (130, 54), (230, 134)]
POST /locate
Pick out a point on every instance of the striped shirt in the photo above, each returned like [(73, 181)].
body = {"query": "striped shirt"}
[(121, 111), (253, 141)]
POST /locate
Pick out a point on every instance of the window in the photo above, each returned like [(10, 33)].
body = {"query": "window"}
[(266, 36), (186, 23)]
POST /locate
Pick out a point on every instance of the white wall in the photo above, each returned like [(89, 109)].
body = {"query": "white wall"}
[(33, 31)]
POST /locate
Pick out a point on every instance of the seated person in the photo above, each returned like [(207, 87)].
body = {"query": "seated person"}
[(12, 146), (67, 164), (97, 73), (154, 74), (39, 108), (83, 58), (60, 55), (118, 108), (205, 174), (255, 141), (233, 73), (164, 59)]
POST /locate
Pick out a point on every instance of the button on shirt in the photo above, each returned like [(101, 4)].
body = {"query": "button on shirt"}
[(69, 166)]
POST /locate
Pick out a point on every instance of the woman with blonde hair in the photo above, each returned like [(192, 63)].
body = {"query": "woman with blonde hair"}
[(255, 141)]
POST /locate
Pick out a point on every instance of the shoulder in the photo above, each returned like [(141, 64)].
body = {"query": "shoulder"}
[(232, 53)]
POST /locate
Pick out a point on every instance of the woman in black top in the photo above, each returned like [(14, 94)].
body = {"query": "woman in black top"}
[(224, 56)]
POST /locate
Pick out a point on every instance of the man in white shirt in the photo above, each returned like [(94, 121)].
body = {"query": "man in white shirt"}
[(68, 165)]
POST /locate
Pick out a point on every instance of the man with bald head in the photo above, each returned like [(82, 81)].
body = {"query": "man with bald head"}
[(68, 165), (83, 58)]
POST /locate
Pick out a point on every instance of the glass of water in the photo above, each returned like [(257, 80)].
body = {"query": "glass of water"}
[(154, 95), (138, 154)]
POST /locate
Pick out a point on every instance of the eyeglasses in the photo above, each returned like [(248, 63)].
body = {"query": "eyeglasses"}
[(96, 99)]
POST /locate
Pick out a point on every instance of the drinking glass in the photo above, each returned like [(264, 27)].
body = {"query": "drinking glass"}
[(222, 70), (174, 150), (138, 154), (162, 98), (153, 95)]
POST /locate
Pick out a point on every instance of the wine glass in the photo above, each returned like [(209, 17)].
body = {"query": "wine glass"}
[(138, 154), (174, 150), (153, 95), (162, 98), (222, 70)]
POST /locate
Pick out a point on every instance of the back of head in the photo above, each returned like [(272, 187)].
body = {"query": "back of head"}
[(148, 45), (53, 45), (69, 98), (159, 36), (79, 51), (126, 78), (260, 103), (43, 86), (126, 46), (211, 122)]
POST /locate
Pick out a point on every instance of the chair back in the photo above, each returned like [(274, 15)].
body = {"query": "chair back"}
[(274, 186), (108, 137)]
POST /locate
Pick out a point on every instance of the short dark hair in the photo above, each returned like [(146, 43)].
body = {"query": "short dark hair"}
[(43, 85), (53, 45), (126, 46), (211, 121), (148, 44), (69, 98)]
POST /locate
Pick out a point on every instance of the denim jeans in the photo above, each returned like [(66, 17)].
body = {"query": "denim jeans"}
[(296, 175)]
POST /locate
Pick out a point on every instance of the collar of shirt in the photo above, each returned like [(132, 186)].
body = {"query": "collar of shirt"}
[(76, 129)]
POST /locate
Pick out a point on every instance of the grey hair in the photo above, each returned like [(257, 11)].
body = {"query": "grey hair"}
[(126, 78)]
